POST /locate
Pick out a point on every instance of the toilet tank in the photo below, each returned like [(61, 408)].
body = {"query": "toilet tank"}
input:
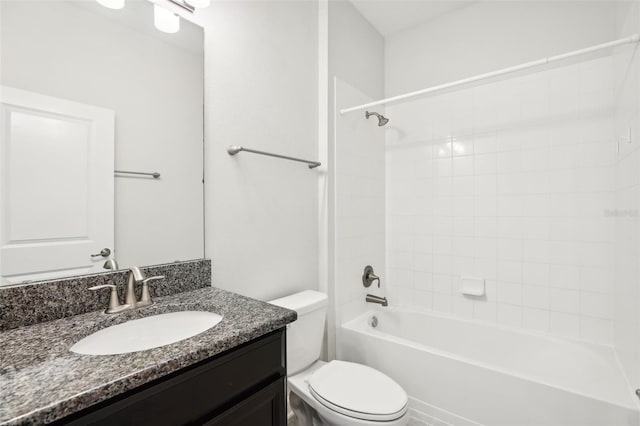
[(305, 335)]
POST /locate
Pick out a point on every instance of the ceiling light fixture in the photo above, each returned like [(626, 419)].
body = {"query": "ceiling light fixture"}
[(165, 20)]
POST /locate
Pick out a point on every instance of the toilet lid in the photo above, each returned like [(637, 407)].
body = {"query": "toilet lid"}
[(358, 391)]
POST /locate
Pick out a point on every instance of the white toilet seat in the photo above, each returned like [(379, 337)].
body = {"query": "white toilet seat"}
[(357, 414), (358, 391), (299, 385)]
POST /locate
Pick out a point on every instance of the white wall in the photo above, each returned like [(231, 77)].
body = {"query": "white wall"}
[(490, 35), (78, 53), (359, 211), (626, 302), (356, 50), (261, 91), (355, 74)]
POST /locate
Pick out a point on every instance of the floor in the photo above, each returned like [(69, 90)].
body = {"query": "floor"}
[(292, 421)]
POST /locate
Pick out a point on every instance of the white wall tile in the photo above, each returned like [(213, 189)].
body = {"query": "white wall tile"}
[(442, 302), (517, 195), (535, 273), (564, 276), (485, 164), (509, 161), (535, 319), (486, 206), (534, 296), (509, 315), (485, 311), (595, 305), (595, 279), (563, 300), (510, 205), (464, 226), (485, 143), (512, 228), (485, 184), (463, 166), (596, 329), (510, 271), (462, 306), (443, 283), (509, 293), (564, 324), (536, 251)]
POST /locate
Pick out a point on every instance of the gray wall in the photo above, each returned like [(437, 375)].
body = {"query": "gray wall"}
[(261, 92), (491, 35)]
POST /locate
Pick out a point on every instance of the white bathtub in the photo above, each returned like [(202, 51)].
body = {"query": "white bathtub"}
[(463, 372)]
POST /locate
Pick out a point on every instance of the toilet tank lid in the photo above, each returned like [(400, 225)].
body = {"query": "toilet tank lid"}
[(303, 302)]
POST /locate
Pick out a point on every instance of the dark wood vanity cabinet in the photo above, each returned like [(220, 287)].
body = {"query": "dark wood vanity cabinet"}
[(244, 386)]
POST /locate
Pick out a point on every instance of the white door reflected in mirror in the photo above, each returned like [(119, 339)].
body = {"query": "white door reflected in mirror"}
[(56, 171)]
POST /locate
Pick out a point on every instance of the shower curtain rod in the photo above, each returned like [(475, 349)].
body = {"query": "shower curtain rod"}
[(635, 38)]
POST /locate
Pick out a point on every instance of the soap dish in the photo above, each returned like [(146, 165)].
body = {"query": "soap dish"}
[(472, 286)]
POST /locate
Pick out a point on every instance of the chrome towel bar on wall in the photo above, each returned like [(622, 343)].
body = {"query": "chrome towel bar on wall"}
[(233, 150), (155, 175)]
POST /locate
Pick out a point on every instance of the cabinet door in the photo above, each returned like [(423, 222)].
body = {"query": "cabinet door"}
[(264, 408), (199, 393)]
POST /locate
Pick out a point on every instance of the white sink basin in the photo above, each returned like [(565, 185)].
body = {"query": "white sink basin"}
[(146, 333)]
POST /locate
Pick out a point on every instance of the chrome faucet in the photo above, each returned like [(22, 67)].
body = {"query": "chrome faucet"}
[(371, 298), (134, 277)]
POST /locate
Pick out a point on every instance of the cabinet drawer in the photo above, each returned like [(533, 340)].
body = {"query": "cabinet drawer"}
[(195, 393)]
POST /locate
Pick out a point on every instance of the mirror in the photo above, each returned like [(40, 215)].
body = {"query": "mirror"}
[(87, 91)]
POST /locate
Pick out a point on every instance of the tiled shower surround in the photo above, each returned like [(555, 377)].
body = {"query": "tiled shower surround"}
[(511, 181)]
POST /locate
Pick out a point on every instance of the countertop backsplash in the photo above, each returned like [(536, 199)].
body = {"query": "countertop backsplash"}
[(32, 303)]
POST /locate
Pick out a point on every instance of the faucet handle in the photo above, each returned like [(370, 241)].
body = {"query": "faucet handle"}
[(368, 277), (114, 301), (157, 277), (145, 298)]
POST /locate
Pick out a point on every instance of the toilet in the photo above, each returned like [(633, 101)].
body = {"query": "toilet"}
[(335, 393)]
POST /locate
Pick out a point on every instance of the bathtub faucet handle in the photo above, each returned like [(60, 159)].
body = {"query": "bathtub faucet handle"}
[(368, 277)]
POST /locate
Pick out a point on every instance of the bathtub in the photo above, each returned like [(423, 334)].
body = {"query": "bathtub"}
[(465, 373)]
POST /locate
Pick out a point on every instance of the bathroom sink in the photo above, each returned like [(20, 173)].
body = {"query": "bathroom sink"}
[(146, 333)]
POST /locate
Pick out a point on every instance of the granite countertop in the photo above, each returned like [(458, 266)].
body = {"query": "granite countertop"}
[(41, 380)]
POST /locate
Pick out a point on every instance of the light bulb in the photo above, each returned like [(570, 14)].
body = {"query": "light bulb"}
[(165, 20), (112, 4), (199, 3)]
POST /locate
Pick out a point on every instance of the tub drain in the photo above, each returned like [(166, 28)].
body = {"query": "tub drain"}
[(373, 321)]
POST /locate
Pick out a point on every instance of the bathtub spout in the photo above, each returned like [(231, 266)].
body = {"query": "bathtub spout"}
[(377, 299)]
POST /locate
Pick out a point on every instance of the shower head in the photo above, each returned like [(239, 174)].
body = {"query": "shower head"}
[(382, 120)]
